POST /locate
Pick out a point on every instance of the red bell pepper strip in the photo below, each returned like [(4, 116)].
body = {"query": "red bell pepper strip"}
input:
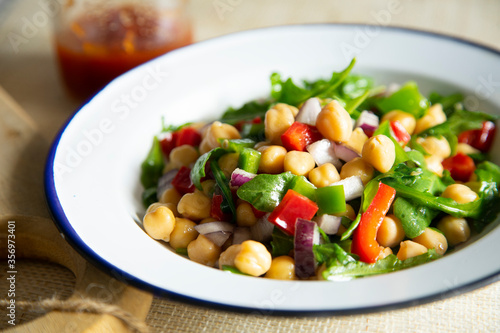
[(460, 166), (299, 135), (481, 139), (168, 143), (182, 181), (188, 136), (292, 207), (400, 132), (364, 239), (258, 213)]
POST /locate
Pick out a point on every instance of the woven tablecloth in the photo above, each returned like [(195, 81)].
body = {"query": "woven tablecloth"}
[(30, 76)]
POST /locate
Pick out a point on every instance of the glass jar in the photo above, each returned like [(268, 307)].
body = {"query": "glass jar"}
[(98, 40)]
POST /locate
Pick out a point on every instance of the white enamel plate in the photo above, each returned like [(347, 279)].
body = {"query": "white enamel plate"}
[(92, 174)]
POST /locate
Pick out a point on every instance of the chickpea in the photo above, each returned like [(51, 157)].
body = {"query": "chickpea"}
[(203, 251), (195, 206), (357, 140), (434, 116), (216, 131), (159, 223), (276, 123), (253, 259), (434, 164), (357, 167), (272, 160), (282, 268), (384, 252), (466, 149), (283, 106), (260, 146), (432, 239), (183, 155), (183, 233), (171, 195), (334, 122), (173, 207), (299, 163), (455, 229), (227, 257), (380, 152), (208, 187), (324, 175), (349, 213), (153, 207), (406, 119), (245, 216), (460, 193), (410, 249), (208, 220), (228, 163), (390, 232), (434, 146)]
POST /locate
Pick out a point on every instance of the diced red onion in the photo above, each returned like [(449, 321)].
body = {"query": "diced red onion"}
[(165, 182), (309, 112), (219, 237), (262, 230), (241, 234), (353, 187), (368, 121), (217, 226), (240, 177), (306, 236), (323, 151), (328, 223), (345, 153)]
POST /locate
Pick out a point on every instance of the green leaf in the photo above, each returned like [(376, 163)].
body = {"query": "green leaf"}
[(198, 170), (152, 166), (407, 99), (281, 243), (265, 191), (414, 218), (248, 111), (488, 172), (223, 184), (337, 270)]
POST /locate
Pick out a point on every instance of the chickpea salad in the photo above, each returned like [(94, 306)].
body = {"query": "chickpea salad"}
[(331, 179)]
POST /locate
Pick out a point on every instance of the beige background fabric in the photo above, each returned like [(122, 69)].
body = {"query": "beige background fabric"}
[(29, 74)]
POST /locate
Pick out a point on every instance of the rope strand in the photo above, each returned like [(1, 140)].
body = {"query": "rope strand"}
[(82, 305)]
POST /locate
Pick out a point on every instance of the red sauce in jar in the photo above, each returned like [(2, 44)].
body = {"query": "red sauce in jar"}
[(101, 45)]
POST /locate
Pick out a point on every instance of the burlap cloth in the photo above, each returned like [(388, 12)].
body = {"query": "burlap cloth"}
[(477, 311)]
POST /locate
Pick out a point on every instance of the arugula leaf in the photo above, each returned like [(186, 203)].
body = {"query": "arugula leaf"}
[(408, 99), (414, 218), (344, 267), (488, 172), (249, 110), (281, 243), (355, 86), (327, 253), (223, 184), (265, 191), (198, 170), (290, 93), (448, 102), (152, 166), (354, 224)]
